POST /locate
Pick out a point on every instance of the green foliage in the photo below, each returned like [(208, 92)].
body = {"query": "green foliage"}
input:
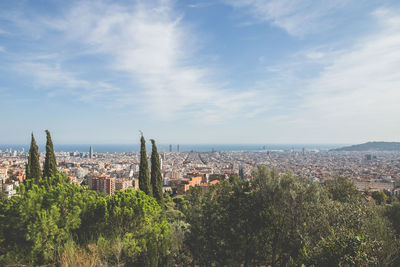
[(156, 178), (379, 197), (36, 224), (280, 220), (342, 189), (33, 171), (50, 163), (53, 221), (144, 176), (393, 214), (345, 249)]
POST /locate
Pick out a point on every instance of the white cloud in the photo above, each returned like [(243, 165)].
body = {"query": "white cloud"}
[(357, 94), (297, 17), (53, 77), (148, 43)]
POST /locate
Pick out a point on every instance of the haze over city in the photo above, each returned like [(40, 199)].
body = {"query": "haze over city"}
[(200, 72)]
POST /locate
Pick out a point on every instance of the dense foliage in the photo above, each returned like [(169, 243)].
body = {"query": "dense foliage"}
[(33, 170), (50, 164), (280, 220), (274, 220), (156, 178), (144, 176), (54, 223)]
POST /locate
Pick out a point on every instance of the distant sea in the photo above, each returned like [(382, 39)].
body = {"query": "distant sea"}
[(182, 148)]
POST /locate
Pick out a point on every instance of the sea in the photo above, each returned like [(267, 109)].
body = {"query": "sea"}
[(112, 148)]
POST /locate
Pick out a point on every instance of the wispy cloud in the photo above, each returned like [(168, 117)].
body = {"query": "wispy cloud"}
[(355, 93), (297, 17), (56, 81), (201, 4), (149, 45)]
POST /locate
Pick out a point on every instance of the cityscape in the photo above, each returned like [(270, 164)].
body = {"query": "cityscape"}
[(371, 170), (175, 133)]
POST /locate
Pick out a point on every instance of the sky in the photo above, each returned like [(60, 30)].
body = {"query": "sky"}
[(198, 72)]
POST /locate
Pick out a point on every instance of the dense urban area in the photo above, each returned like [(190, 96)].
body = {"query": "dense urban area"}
[(373, 171)]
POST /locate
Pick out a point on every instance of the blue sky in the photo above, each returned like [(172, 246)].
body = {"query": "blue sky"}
[(222, 71)]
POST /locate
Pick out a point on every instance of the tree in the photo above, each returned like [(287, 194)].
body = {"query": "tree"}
[(282, 220), (144, 177), (33, 171), (156, 178), (380, 197), (393, 214), (57, 222), (342, 189), (50, 163)]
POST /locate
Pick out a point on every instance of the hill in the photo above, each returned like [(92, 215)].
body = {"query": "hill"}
[(372, 146)]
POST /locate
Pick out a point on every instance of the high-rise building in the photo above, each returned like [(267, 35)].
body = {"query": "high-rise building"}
[(102, 184), (170, 148), (241, 173), (90, 152), (177, 148)]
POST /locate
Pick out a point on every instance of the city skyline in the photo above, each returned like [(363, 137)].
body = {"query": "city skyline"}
[(200, 72)]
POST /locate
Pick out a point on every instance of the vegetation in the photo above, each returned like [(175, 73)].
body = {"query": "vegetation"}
[(280, 220), (156, 178), (50, 164), (55, 223), (33, 170), (144, 176), (372, 146)]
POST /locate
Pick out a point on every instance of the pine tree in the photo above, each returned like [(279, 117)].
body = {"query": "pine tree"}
[(50, 164), (33, 166), (156, 178), (144, 179)]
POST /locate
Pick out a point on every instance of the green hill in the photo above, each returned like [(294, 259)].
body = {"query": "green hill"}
[(372, 146)]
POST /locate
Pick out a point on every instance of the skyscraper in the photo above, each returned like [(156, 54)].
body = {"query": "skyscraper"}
[(177, 148), (90, 152), (170, 148)]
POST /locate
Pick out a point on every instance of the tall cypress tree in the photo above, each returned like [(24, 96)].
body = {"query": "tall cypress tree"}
[(144, 179), (33, 166), (50, 163), (156, 178)]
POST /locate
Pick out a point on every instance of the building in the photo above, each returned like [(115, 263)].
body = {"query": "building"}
[(187, 183), (102, 184), (135, 183), (3, 174), (9, 190), (90, 152), (123, 184)]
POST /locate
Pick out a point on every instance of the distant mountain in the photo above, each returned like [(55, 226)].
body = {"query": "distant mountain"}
[(372, 146)]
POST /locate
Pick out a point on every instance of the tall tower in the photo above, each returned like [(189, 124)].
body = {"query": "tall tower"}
[(170, 148), (177, 148), (90, 152), (241, 173)]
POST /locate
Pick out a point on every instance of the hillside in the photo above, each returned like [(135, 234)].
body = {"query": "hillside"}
[(372, 146)]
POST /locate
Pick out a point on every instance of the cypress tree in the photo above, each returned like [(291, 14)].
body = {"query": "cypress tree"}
[(156, 178), (144, 179), (27, 166), (50, 164), (33, 166)]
